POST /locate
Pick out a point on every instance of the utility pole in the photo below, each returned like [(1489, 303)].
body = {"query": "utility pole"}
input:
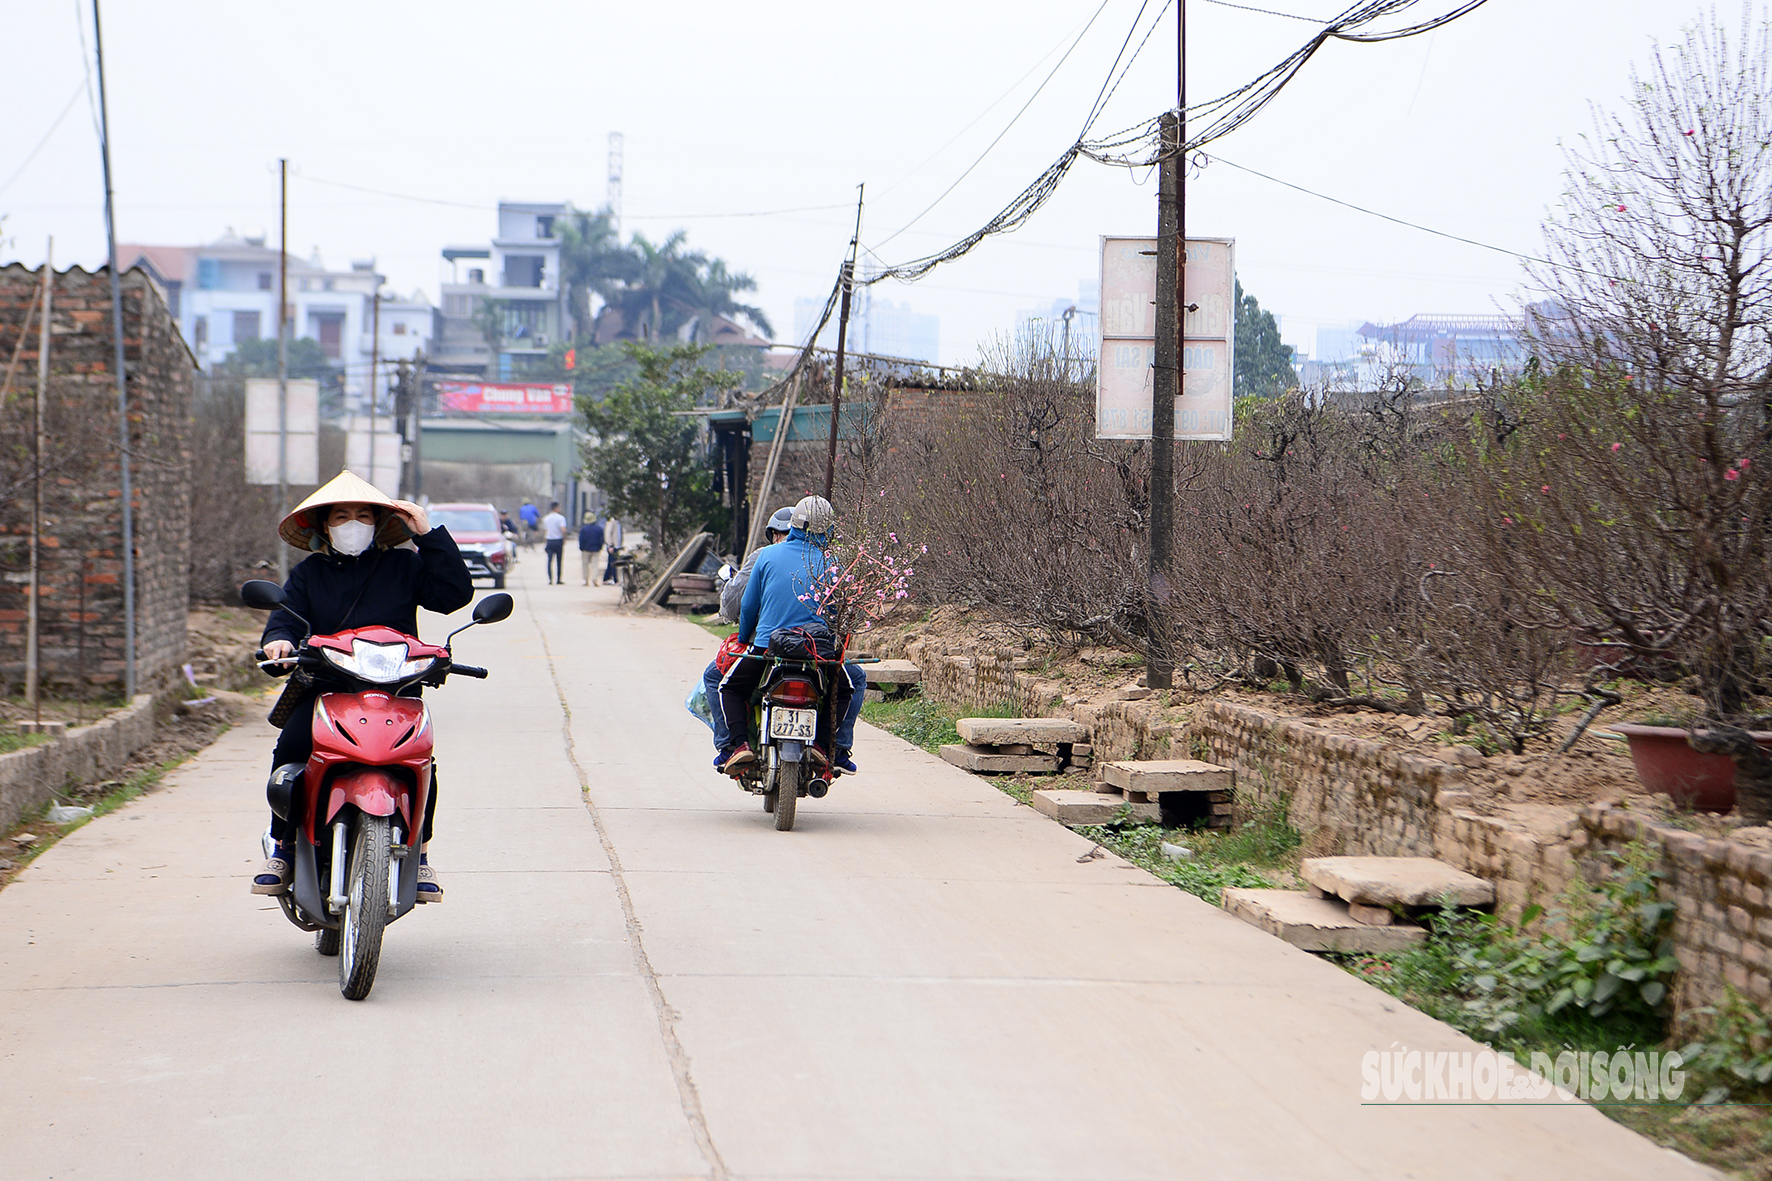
[(127, 493), (31, 653), (415, 382), (374, 369), (612, 195), (282, 357), (848, 283), (1069, 314), (1166, 376)]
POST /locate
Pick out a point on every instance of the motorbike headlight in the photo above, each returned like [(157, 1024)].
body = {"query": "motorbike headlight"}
[(381, 663)]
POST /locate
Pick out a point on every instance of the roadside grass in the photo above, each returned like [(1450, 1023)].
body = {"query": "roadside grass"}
[(923, 721), (10, 741), (713, 625), (1214, 860)]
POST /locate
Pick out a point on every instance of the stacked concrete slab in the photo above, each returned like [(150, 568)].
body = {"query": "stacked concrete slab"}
[(1143, 784), (1033, 746), (891, 678), (1363, 904)]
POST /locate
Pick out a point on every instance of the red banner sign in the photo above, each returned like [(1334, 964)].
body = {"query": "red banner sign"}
[(473, 397)]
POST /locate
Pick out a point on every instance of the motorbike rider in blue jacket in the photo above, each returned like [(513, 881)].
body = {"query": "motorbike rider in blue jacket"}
[(779, 595)]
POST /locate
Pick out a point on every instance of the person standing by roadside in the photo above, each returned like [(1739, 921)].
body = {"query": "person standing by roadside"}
[(590, 541), (554, 527), (612, 537)]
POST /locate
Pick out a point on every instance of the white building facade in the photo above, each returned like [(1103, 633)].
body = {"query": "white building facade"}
[(224, 295)]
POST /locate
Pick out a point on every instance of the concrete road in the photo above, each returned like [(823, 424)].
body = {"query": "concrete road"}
[(635, 976)]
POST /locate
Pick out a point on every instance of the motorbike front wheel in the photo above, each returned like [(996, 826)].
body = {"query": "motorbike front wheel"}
[(366, 908), (787, 794)]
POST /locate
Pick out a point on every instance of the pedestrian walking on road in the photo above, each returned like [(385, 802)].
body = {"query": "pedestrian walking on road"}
[(554, 526), (590, 542), (612, 536)]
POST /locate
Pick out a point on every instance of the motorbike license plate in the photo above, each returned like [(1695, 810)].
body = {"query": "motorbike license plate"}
[(801, 725)]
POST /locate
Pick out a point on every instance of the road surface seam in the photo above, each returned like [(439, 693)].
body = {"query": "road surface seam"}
[(667, 1016)]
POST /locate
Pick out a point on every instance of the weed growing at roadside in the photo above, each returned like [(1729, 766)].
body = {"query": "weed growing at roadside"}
[(925, 722), (1733, 1059), (10, 742), (1205, 874), (1265, 838), (713, 625), (1595, 977)]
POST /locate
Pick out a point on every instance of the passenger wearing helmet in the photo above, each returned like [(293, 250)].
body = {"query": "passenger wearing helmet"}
[(731, 596), (778, 595), (372, 560)]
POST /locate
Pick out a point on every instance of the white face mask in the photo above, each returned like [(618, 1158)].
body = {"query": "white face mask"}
[(352, 537)]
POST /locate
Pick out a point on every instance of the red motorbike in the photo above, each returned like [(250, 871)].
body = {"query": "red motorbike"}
[(360, 799)]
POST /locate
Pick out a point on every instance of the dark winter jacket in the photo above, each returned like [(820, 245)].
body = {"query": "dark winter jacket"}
[(387, 586), (590, 537)]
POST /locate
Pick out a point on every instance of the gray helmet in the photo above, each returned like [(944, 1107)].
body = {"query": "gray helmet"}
[(782, 520), (814, 515)]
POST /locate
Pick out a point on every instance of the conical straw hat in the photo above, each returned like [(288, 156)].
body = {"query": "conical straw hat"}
[(305, 527)]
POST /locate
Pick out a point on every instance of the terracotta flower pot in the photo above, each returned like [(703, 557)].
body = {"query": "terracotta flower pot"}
[(1667, 764)]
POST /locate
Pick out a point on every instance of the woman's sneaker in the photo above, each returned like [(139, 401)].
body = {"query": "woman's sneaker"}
[(429, 889), (276, 873)]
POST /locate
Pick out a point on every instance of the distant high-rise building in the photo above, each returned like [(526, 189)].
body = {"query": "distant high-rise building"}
[(876, 326), (1082, 314)]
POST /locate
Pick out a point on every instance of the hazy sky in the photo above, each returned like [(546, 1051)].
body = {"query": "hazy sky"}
[(747, 109)]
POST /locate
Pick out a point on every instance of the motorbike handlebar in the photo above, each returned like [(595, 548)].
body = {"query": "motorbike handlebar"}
[(468, 670), (281, 667)]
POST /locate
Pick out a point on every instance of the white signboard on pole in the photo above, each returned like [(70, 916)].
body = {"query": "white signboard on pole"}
[(384, 472), (1129, 339), (303, 431)]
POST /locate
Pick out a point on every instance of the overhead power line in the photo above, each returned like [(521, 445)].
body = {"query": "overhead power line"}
[(1375, 213), (1141, 145), (630, 216), (987, 151), (1267, 12), (20, 171)]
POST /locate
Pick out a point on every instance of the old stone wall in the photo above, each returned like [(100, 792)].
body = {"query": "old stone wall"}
[(1349, 795), (81, 618), (31, 777), (1356, 796)]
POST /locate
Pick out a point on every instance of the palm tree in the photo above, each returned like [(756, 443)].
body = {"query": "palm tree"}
[(592, 261), (710, 290), (673, 286)]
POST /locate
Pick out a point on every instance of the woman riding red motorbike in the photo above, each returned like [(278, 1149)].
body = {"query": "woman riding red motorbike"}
[(372, 560)]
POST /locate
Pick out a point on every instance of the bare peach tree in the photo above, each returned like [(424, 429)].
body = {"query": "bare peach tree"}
[(1633, 503)]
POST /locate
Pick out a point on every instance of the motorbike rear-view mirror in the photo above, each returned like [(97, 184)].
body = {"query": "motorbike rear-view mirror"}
[(493, 608), (263, 595)]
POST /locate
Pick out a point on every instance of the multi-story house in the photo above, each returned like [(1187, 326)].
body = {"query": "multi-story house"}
[(505, 302), (225, 293)]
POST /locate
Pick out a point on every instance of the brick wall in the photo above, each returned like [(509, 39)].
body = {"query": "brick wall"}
[(1355, 796), (81, 624)]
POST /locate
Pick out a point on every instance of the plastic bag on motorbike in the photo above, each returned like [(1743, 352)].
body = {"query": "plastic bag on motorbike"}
[(697, 704)]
